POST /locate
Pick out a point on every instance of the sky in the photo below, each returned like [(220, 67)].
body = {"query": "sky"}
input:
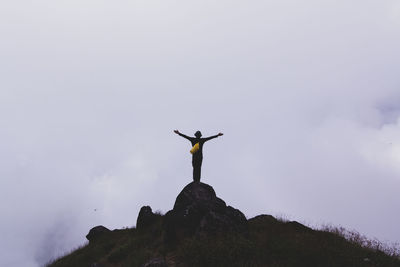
[(307, 94)]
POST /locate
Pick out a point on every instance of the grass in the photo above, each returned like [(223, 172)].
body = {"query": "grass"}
[(269, 242), (356, 238), (127, 247)]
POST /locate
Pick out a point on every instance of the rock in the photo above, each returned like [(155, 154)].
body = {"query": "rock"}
[(145, 218), (264, 219), (198, 210), (298, 227), (96, 232), (156, 262)]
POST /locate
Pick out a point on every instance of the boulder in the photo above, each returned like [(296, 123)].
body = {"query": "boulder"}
[(298, 227), (96, 232), (198, 210), (145, 218)]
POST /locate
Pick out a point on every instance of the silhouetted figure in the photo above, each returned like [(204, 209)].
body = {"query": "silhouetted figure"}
[(197, 158)]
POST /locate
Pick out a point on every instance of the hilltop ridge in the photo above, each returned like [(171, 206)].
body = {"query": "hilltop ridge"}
[(201, 230)]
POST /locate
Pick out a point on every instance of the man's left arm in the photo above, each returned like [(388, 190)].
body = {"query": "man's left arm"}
[(212, 137)]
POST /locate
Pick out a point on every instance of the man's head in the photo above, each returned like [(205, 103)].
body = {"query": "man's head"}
[(197, 134)]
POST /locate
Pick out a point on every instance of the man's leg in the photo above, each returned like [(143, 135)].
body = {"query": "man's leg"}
[(196, 170), (196, 176), (199, 175)]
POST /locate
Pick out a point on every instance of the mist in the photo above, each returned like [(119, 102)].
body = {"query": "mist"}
[(307, 96)]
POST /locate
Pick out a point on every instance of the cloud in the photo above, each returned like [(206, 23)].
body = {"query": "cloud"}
[(306, 93)]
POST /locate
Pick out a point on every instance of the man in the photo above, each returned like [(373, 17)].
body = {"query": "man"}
[(197, 158)]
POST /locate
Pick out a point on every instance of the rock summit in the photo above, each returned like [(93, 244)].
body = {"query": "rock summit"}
[(198, 211)]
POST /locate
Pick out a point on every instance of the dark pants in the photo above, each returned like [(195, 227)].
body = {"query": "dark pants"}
[(196, 162)]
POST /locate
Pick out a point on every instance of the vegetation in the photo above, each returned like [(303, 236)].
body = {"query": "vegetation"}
[(269, 242)]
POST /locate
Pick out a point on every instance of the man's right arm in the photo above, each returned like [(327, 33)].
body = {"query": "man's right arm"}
[(183, 135)]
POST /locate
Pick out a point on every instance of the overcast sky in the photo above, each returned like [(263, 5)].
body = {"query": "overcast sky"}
[(307, 94)]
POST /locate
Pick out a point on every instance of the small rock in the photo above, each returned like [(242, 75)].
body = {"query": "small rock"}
[(298, 226), (95, 232), (145, 218)]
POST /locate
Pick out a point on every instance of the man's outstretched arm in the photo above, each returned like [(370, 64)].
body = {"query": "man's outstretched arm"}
[(212, 137), (183, 135)]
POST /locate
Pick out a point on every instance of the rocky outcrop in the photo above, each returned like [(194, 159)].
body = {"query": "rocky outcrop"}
[(145, 218), (96, 232), (198, 210)]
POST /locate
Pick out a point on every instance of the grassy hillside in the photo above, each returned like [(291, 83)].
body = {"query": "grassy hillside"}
[(270, 242)]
